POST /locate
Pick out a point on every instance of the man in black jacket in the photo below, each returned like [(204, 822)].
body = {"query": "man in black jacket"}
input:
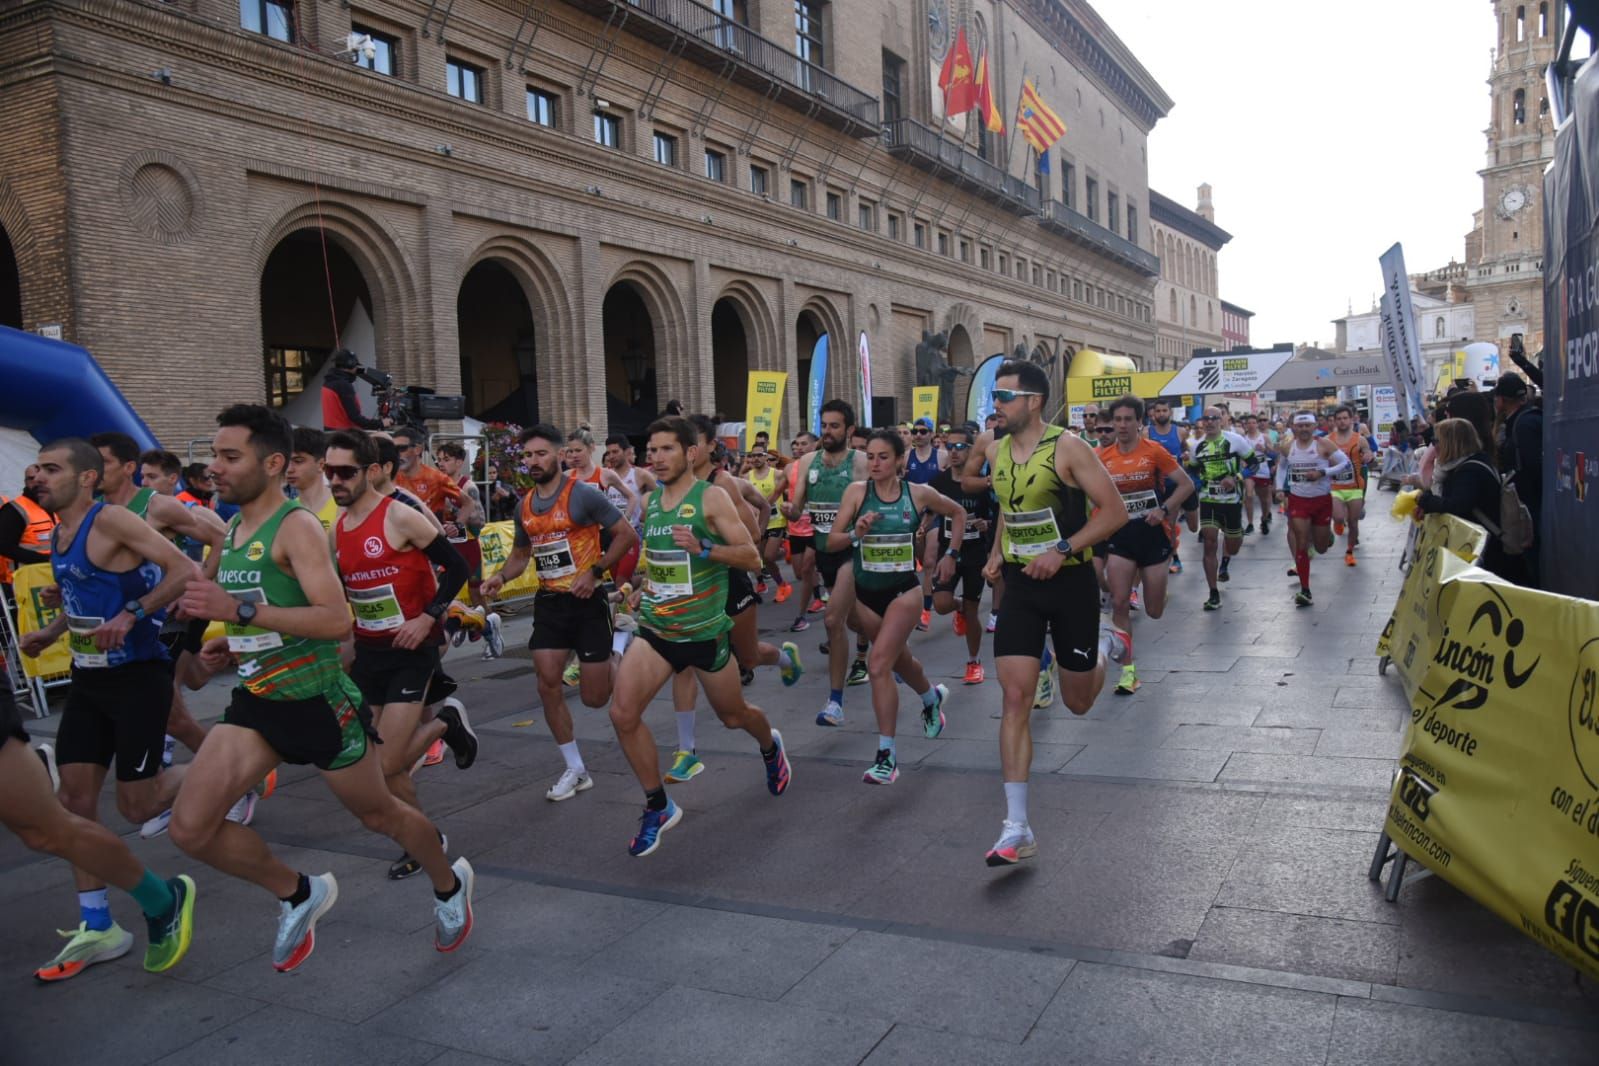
[(341, 407), (1519, 451)]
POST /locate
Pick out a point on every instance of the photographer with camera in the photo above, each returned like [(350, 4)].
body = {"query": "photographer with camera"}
[(341, 407)]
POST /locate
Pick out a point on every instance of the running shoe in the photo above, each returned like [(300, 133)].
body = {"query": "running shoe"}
[(569, 784), (857, 673), (993, 621), (685, 767), (1117, 644), (831, 715), (47, 755), (268, 784), (1302, 598), (407, 864), (435, 753), (1129, 681), (801, 624), (824, 647), (171, 936), (1176, 566), (569, 676), (297, 925), (1250, 528), (495, 635), (746, 677), (1134, 601), (816, 606), (1213, 603), (156, 826), (795, 669), (458, 734), (778, 772), (760, 588), (452, 918), (883, 771), (1044, 693), (1293, 571), (1265, 526), (85, 947), (243, 809), (1222, 574), (974, 673), (1338, 529), (960, 623), (925, 621), (651, 826), (784, 591), (933, 717), (168, 749), (1349, 558), (1015, 843)]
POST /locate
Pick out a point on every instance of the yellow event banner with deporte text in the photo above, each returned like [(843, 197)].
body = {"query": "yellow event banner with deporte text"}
[(496, 540), (1409, 616), (765, 405), (1498, 784), (26, 584), (1146, 386), (924, 403)]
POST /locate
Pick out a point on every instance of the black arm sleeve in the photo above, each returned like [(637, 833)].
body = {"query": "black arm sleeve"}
[(1526, 366), (344, 389), (443, 555), (11, 526)]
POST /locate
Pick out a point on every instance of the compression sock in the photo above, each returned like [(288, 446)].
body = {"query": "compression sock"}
[(302, 892), (836, 695), (153, 895), (655, 799), (569, 752), (94, 909), (1302, 564), (1016, 801), (685, 730), (862, 646), (927, 603)]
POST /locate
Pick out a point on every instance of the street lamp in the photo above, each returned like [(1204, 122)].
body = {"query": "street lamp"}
[(636, 367)]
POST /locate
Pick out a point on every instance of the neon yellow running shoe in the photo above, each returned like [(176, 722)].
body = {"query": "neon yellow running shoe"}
[(685, 765), (569, 676), (170, 937), (85, 947)]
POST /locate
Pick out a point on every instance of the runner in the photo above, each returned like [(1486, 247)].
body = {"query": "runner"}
[(1258, 487), (558, 526), (28, 808), (692, 536), (1309, 469), (820, 479), (974, 545), (770, 483), (1136, 553), (801, 545), (1349, 488), (464, 519), (436, 489), (1218, 466), (306, 478), (923, 462), (878, 519), (1052, 492), (285, 611), (619, 459), (116, 575), (386, 554), (1169, 436)]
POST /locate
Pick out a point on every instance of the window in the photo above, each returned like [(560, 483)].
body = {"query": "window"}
[(1113, 211), (607, 130), (1004, 263), (1132, 222), (921, 235), (893, 87), (1049, 280), (835, 206), (1173, 294), (541, 108), (1518, 107), (796, 193), (943, 244), (275, 18), (1091, 198), (1068, 184), (385, 50), (894, 226), (1038, 274), (983, 258), (1543, 20), (715, 165), (866, 215), (1077, 289), (760, 180), (287, 370), (1521, 23), (464, 81), (665, 149), (1041, 180), (1438, 327), (808, 41), (966, 251)]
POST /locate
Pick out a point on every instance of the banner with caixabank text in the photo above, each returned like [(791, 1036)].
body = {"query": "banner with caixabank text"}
[(1498, 786)]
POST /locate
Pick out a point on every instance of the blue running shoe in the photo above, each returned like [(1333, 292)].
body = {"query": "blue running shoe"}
[(651, 826), (795, 669), (778, 773), (831, 715)]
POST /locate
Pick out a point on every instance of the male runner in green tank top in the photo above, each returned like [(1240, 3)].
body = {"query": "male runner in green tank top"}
[(285, 610), (1054, 494), (692, 535)]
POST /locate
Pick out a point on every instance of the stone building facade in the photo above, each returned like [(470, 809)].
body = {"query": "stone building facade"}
[(573, 210), (1188, 309)]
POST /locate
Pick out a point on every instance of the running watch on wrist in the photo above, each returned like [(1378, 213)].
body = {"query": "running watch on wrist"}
[(1064, 547), (706, 544), (135, 608), (246, 613)]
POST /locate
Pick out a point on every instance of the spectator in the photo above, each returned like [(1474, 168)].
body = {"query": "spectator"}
[(502, 496), (341, 407), (1466, 485), (1520, 456)]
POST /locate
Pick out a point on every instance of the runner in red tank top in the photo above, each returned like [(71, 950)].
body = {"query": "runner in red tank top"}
[(386, 557)]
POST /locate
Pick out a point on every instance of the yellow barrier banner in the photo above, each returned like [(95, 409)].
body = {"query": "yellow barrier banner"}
[(27, 583), (1465, 539), (765, 405), (924, 403), (496, 540), (1498, 789), (1146, 386)]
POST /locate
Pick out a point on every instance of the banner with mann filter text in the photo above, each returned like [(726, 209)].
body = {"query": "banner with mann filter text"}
[(1498, 784), (496, 540), (765, 405)]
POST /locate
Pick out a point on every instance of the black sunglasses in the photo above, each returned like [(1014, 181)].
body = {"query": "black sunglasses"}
[(341, 473)]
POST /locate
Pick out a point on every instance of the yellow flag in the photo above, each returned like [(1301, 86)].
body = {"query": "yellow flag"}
[(765, 405), (27, 583), (924, 403)]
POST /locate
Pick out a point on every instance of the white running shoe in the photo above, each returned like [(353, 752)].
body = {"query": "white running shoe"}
[(243, 809), (1115, 643), (1015, 843), (157, 825), (571, 782)]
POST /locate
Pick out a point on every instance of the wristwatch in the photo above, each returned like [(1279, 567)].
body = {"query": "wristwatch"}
[(246, 614), (598, 571), (434, 611), (706, 544), (951, 553), (1064, 547), (135, 608)]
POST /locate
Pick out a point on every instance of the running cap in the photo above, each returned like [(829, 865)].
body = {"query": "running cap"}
[(1304, 419)]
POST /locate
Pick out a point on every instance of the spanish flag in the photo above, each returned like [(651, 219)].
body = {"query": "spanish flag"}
[(985, 98), (960, 90), (1039, 125)]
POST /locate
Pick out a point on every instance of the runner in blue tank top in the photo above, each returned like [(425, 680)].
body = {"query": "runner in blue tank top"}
[(923, 462), (1168, 436)]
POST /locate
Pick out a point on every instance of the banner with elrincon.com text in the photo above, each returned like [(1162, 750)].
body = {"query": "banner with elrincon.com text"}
[(765, 405), (1409, 617), (1498, 783)]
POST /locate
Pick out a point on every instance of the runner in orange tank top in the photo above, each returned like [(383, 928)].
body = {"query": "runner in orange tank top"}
[(1349, 490)]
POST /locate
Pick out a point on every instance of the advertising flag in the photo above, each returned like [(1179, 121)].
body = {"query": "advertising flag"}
[(864, 416), (992, 120), (956, 78), (1039, 125), (980, 400), (765, 405), (1396, 287), (816, 394)]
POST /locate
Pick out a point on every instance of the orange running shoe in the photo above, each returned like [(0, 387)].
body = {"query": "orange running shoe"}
[(1349, 558), (435, 753), (1338, 529), (784, 591), (926, 620), (974, 673), (960, 623), (268, 784)]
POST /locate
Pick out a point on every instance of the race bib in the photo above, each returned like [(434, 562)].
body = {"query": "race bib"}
[(888, 553), (553, 559), (1031, 533), (971, 534), (670, 574), (1139, 502), (822, 515), (1299, 473), (246, 640), (377, 610), (84, 653)]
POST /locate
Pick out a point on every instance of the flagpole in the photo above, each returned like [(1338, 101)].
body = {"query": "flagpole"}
[(1015, 125)]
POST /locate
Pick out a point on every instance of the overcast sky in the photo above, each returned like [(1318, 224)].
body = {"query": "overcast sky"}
[(1328, 133)]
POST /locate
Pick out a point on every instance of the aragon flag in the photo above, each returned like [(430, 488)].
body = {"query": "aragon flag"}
[(960, 88), (992, 119)]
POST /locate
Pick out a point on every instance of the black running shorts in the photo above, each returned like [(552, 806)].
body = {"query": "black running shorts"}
[(877, 600), (388, 675), (708, 656), (828, 563), (1227, 517), (968, 578), (562, 622), (1144, 544), (1065, 607), (740, 593), (120, 713), (329, 732)]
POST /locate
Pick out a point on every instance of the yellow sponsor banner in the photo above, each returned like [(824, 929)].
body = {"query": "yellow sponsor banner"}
[(765, 405), (27, 583), (1465, 539), (924, 403), (1498, 789), (1145, 386), (496, 540)]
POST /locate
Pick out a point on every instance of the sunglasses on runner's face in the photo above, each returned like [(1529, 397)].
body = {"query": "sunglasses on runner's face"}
[(957, 447), (341, 473), (920, 432), (1105, 429), (1007, 395)]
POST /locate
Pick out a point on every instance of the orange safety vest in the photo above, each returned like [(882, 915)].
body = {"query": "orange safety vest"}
[(561, 550), (35, 534)]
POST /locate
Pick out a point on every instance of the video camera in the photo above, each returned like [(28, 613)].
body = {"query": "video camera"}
[(411, 405)]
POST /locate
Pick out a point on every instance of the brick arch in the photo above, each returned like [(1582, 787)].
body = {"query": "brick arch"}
[(843, 374), (760, 327), (554, 313), (24, 245), (390, 279), (676, 368)]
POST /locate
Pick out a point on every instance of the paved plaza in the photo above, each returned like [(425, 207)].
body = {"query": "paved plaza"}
[(1199, 896)]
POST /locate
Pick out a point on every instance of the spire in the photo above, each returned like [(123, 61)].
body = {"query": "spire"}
[(1206, 209)]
